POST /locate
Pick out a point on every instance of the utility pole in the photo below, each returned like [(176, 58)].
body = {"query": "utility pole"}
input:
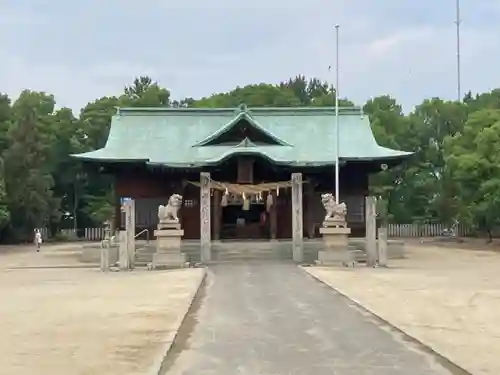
[(458, 21), (337, 128)]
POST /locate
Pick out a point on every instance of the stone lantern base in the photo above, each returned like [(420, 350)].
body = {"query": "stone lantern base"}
[(168, 246), (336, 252)]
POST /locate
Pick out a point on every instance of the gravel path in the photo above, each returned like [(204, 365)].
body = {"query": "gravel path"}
[(274, 319)]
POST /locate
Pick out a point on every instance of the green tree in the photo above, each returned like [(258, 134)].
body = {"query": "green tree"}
[(431, 123), (27, 171), (4, 208), (145, 93), (453, 173), (473, 162), (261, 95), (487, 100), (295, 92), (67, 172), (5, 120), (90, 191), (390, 127)]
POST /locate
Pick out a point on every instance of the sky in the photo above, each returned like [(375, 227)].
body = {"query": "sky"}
[(82, 50)]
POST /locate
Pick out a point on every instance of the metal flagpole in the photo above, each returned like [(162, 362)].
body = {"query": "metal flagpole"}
[(337, 128), (458, 21)]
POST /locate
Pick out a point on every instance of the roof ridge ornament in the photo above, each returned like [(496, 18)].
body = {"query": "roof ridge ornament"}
[(242, 107), (247, 142)]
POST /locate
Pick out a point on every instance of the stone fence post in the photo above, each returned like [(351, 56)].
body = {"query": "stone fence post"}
[(382, 247)]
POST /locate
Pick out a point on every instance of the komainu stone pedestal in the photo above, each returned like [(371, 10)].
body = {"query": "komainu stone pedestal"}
[(168, 246), (336, 250)]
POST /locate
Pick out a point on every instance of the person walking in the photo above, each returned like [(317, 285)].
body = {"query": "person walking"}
[(38, 240)]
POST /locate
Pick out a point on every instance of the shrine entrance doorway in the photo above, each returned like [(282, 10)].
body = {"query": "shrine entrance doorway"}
[(240, 220)]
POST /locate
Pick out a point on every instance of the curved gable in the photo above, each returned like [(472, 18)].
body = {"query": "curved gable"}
[(242, 126)]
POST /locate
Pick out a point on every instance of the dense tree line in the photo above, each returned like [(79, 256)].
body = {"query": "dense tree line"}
[(454, 174)]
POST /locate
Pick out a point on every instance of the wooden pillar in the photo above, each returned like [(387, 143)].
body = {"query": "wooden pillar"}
[(297, 219), (371, 232), (205, 238), (310, 210), (116, 223), (217, 214), (272, 216)]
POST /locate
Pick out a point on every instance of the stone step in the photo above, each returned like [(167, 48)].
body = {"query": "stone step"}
[(247, 252), (144, 259), (248, 256)]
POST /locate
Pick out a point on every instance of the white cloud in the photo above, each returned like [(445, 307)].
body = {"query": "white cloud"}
[(15, 17), (71, 86), (399, 39)]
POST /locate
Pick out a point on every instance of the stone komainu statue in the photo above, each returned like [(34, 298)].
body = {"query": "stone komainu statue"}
[(335, 213), (169, 212)]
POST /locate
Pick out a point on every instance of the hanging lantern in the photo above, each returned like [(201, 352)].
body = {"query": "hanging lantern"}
[(246, 203), (224, 201)]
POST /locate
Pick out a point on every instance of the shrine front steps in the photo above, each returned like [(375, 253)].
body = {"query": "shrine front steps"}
[(225, 251), (234, 251), (262, 250)]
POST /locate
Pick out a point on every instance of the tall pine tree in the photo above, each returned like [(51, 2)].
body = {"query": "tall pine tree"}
[(27, 173)]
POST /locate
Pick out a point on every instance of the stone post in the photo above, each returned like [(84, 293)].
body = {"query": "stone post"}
[(126, 253), (105, 245), (371, 232), (130, 230), (123, 257), (382, 247), (105, 257), (297, 218), (205, 238)]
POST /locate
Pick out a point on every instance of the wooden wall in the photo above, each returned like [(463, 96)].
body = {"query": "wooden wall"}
[(151, 188)]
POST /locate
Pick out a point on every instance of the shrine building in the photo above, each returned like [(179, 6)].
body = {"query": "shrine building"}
[(234, 167)]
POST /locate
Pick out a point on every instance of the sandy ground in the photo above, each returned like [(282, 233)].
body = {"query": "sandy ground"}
[(53, 255), (449, 299), (82, 321)]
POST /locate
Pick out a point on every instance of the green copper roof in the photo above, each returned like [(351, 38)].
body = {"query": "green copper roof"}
[(188, 137)]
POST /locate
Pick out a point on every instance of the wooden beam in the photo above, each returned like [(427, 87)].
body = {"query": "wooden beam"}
[(272, 216), (310, 210), (217, 214), (245, 170)]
